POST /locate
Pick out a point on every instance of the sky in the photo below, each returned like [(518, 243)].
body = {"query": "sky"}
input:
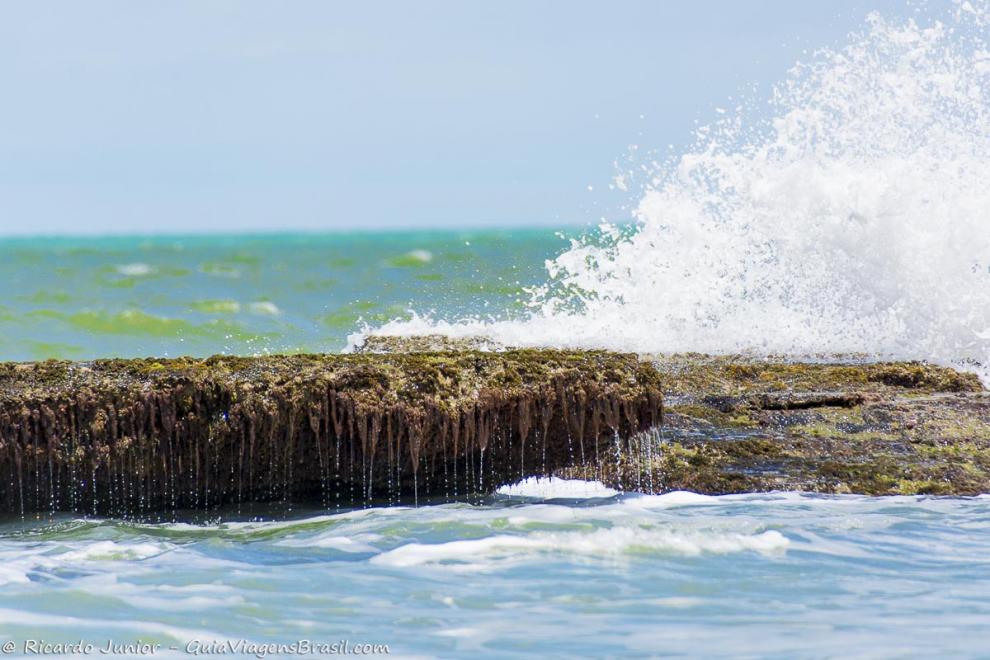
[(241, 116)]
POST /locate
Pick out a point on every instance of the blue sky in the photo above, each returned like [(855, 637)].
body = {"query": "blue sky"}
[(135, 117)]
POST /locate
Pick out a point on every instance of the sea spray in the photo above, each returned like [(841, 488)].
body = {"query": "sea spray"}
[(848, 213)]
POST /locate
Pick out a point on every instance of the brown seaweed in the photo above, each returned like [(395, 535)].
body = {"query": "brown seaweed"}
[(143, 436)]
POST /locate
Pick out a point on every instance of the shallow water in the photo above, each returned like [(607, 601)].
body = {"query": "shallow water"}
[(772, 575)]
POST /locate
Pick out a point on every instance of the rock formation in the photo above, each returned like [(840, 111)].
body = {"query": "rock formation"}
[(133, 437)]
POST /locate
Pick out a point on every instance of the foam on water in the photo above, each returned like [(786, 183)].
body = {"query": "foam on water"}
[(760, 575), (555, 487), (113, 551), (498, 551), (849, 213), (134, 270)]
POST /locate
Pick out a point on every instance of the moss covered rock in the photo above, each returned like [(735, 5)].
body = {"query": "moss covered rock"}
[(736, 425), (125, 437), (148, 436)]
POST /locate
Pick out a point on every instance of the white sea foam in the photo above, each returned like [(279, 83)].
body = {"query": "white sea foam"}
[(17, 565), (134, 270), (192, 603), (264, 308), (423, 256), (494, 551), (674, 498), (334, 542), (11, 574), (849, 213), (113, 551), (37, 620), (554, 487)]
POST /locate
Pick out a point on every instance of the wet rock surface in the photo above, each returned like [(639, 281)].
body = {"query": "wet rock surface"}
[(736, 425), (130, 437), (145, 436), (425, 344)]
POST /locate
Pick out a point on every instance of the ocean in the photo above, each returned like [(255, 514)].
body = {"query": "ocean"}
[(556, 569), (203, 295), (547, 570), (847, 214)]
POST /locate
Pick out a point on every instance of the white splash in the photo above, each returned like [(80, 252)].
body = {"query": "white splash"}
[(849, 213), (478, 555), (423, 256), (134, 270), (264, 308), (555, 487)]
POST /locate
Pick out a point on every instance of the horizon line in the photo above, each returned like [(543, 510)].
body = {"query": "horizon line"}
[(267, 232)]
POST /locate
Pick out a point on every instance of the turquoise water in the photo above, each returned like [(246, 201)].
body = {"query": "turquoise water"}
[(100, 297), (554, 570)]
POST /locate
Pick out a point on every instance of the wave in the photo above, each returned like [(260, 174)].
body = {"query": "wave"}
[(849, 212), (501, 550)]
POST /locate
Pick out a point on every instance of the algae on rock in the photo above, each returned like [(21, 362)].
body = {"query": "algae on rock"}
[(734, 425), (147, 436), (124, 437)]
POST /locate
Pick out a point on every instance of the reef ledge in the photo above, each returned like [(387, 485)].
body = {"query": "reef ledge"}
[(139, 437), (734, 424), (127, 437)]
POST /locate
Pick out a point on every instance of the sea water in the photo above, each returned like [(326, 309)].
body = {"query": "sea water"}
[(526, 574), (551, 568), (81, 298), (849, 213)]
